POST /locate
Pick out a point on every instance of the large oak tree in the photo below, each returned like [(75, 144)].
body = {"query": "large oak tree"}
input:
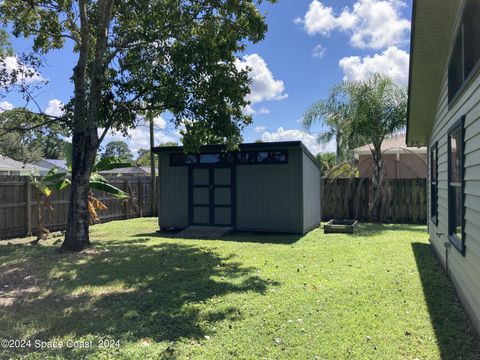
[(136, 56)]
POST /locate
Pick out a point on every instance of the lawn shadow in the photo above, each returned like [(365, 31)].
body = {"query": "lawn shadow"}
[(129, 293), (262, 237), (236, 236), (456, 337)]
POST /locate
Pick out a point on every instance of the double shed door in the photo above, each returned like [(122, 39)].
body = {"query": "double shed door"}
[(212, 196)]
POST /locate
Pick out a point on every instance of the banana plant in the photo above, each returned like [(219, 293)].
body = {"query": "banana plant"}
[(60, 180), (43, 191)]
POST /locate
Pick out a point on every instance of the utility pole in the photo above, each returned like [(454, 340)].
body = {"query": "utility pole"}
[(153, 178)]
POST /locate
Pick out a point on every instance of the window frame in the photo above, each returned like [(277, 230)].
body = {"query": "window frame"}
[(234, 158), (467, 78), (434, 200), (458, 243)]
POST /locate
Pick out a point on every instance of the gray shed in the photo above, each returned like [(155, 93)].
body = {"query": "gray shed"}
[(272, 187)]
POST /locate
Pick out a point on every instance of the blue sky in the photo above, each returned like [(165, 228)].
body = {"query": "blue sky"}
[(310, 45)]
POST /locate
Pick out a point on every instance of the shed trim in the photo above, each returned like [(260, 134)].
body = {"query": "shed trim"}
[(243, 146)]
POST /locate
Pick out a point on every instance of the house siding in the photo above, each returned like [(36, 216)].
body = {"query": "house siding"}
[(311, 175), (269, 197), (465, 270)]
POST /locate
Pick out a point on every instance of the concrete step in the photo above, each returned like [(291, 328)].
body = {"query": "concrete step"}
[(204, 232)]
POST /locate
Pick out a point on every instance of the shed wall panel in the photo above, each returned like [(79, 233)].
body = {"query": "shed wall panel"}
[(269, 197), (173, 194), (311, 193)]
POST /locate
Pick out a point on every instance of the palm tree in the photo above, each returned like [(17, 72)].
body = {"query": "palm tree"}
[(380, 110), (334, 113)]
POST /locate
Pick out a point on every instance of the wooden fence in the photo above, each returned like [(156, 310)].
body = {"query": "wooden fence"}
[(341, 199), (350, 198), (19, 204)]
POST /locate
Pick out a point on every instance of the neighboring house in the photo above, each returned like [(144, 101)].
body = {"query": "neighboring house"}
[(262, 187), (131, 171), (444, 114), (400, 161), (12, 167), (50, 163)]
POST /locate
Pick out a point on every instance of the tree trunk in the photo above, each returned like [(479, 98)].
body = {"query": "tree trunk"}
[(338, 140), (77, 233), (377, 181), (86, 111)]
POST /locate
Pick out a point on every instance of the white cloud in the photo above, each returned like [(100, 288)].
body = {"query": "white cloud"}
[(5, 105), (139, 138), (160, 122), (25, 75), (54, 108), (263, 87), (248, 110), (392, 62), (319, 19), (375, 24), (260, 128), (310, 140), (319, 51), (264, 110)]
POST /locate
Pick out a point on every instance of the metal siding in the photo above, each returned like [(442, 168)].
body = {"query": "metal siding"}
[(173, 194), (464, 270), (269, 197), (311, 193)]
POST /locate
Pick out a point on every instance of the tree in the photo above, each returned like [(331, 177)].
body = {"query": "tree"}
[(119, 150), (326, 161), (5, 46), (334, 112), (379, 110), (143, 158), (135, 56), (30, 145)]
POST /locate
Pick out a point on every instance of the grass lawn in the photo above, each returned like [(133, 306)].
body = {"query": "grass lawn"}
[(379, 294)]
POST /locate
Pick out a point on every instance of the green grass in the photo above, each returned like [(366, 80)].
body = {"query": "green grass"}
[(379, 294)]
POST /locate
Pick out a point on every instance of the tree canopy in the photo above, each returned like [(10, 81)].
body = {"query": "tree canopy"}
[(39, 141), (326, 161), (335, 114), (143, 158), (138, 56), (118, 150)]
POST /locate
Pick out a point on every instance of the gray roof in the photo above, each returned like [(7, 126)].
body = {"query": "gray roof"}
[(126, 170), (147, 169), (10, 164), (58, 163)]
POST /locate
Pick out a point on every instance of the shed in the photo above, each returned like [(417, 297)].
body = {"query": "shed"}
[(273, 187)]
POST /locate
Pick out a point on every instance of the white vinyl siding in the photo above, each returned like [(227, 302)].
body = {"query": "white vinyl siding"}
[(465, 270)]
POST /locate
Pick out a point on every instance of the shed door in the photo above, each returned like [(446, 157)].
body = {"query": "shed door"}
[(211, 200)]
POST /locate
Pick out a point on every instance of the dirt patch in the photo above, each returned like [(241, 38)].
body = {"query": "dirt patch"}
[(18, 282)]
